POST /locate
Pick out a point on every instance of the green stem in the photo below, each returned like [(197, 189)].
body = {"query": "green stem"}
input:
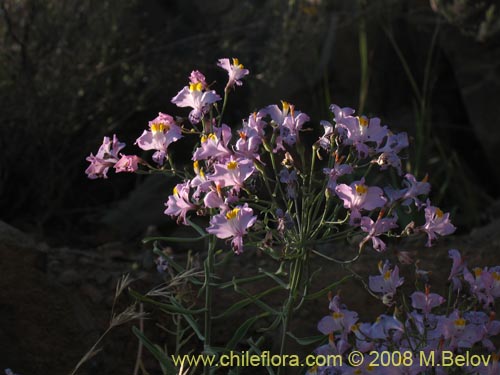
[(209, 272), (295, 278), (224, 103)]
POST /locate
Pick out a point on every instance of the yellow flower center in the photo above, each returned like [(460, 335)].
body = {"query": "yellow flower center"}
[(387, 275), (361, 189), (211, 136), (337, 315), (286, 106), (196, 166), (232, 214), (232, 165), (460, 322), (175, 190), (159, 127), (243, 135), (496, 276), (195, 86), (478, 272), (439, 213), (363, 121), (236, 63)]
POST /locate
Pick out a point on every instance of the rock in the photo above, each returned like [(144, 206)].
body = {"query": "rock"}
[(144, 207)]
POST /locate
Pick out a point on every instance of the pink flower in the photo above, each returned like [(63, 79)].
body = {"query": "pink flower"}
[(128, 163), (194, 97), (414, 189), (360, 130), (106, 157), (233, 173), (162, 132), (341, 320), (334, 173), (484, 284), (198, 78), (426, 301), (214, 145), (178, 204), (457, 268), (233, 224), (388, 280), (248, 144), (289, 122), (436, 223), (236, 72), (375, 229), (358, 196)]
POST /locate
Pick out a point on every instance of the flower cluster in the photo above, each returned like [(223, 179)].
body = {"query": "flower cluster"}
[(431, 325), (244, 175)]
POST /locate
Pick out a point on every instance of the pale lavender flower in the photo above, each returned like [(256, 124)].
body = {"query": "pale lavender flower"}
[(235, 71), (194, 97), (198, 78), (127, 163), (248, 144), (162, 132), (233, 224), (161, 264), (388, 159), (376, 228), (426, 301), (200, 181), (360, 130), (484, 284), (255, 122), (340, 321), (436, 223), (484, 326), (334, 173), (387, 282), (325, 141), (414, 189), (215, 145), (394, 143), (456, 269), (232, 173), (358, 196), (106, 157), (289, 123), (178, 204), (290, 179), (384, 327)]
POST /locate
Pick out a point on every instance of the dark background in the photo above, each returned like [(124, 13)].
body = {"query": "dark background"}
[(74, 71)]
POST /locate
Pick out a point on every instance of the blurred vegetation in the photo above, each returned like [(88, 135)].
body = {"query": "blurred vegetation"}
[(74, 71)]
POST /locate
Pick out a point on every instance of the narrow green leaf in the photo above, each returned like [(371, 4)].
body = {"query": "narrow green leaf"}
[(190, 320), (197, 228), (241, 281), (257, 350), (161, 357), (307, 340), (274, 277), (165, 306), (325, 291), (174, 239), (242, 331), (245, 302)]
